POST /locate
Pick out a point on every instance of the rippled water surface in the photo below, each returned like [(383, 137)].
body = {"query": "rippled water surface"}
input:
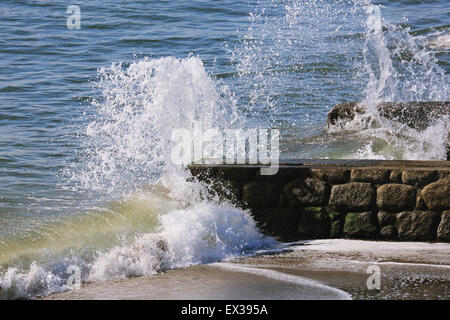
[(86, 114)]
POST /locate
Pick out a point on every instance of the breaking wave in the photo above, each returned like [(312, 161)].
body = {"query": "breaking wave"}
[(166, 220)]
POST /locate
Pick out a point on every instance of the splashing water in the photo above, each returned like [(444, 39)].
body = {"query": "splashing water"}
[(127, 148), (201, 234), (288, 55), (162, 220), (400, 68), (141, 105), (293, 51), (399, 65)]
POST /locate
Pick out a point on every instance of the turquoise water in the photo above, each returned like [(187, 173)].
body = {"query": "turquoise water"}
[(85, 113)]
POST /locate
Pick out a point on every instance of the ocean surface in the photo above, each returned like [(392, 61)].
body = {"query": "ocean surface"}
[(86, 117)]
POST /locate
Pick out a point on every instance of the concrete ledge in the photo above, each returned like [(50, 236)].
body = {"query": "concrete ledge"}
[(364, 199)]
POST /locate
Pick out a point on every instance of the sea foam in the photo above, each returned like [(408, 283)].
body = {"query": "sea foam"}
[(126, 151)]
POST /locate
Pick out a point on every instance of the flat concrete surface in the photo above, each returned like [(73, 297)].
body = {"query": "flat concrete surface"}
[(351, 164)]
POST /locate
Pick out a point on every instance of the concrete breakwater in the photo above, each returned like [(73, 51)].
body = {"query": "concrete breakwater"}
[(362, 199)]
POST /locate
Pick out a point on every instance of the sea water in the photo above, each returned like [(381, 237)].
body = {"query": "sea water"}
[(86, 117)]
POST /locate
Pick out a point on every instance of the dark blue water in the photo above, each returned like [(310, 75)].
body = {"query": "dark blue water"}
[(278, 63)]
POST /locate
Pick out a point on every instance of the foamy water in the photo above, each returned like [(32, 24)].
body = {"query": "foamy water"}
[(200, 234), (326, 291), (139, 107), (105, 195)]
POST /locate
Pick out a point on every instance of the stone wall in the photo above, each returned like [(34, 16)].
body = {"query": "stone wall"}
[(395, 200)]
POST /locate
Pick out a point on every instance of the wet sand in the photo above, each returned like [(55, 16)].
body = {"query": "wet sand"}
[(318, 269)]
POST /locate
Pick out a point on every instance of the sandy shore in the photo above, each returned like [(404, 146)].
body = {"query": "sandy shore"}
[(318, 269)]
